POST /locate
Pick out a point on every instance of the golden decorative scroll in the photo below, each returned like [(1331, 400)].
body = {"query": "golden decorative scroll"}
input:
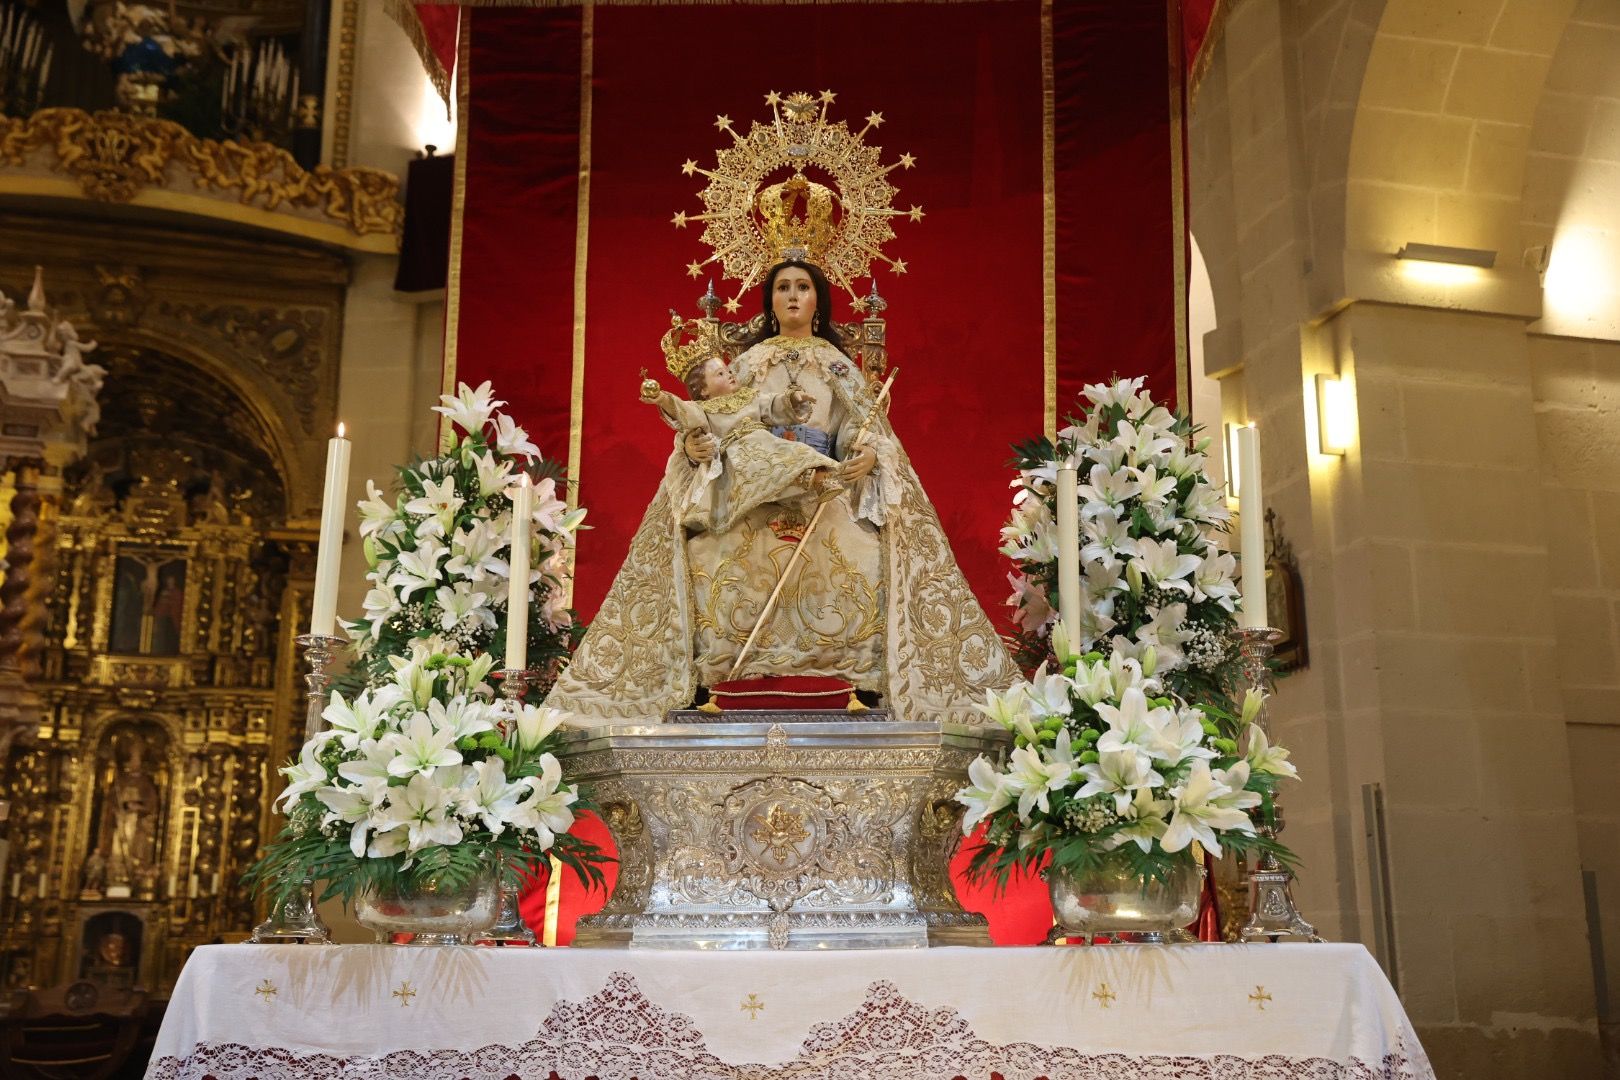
[(114, 156)]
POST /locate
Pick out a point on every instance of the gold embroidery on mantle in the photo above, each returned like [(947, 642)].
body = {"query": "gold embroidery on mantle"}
[(114, 155)]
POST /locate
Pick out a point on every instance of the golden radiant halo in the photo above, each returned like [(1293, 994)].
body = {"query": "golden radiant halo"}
[(838, 219)]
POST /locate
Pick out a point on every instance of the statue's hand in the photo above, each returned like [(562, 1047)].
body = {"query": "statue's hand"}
[(700, 447), (859, 466)]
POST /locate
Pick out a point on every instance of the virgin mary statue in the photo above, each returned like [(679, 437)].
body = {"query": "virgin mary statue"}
[(876, 598)]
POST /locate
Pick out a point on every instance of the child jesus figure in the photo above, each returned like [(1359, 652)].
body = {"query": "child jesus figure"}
[(752, 466)]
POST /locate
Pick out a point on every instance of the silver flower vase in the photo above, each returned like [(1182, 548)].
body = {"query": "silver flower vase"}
[(1114, 900), (436, 913)]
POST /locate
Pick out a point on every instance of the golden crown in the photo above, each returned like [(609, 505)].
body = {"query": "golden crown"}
[(840, 226), (682, 358)]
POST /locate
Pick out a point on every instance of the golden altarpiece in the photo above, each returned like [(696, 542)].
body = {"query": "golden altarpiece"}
[(172, 565)]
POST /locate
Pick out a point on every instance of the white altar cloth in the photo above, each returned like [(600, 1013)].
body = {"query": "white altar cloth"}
[(1204, 1011)]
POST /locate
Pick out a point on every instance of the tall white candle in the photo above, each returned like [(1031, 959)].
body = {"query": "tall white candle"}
[(329, 556), (517, 597), (1252, 537), (1068, 527)]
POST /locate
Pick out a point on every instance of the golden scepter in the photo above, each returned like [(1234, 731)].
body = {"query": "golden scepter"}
[(798, 550)]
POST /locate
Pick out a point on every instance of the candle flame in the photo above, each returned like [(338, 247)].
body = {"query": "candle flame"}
[(340, 429)]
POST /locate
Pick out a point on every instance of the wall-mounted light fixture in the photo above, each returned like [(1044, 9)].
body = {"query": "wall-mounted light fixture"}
[(1335, 415), (1442, 253)]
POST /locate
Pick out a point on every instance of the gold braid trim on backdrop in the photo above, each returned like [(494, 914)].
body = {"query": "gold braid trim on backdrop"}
[(114, 155), (404, 13), (1206, 49)]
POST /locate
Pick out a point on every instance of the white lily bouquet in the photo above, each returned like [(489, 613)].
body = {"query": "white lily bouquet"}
[(425, 781), (440, 552), (1109, 768), (1152, 568), (421, 778)]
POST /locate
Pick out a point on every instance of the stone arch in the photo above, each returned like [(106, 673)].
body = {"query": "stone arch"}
[(1571, 206), (1442, 124)]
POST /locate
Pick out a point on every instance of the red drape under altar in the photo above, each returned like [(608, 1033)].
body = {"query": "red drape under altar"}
[(1047, 146)]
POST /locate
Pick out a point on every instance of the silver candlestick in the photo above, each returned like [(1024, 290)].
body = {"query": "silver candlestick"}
[(296, 920), (1272, 913), (509, 928)]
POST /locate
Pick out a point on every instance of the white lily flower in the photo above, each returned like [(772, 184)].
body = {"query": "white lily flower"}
[(421, 748), (356, 806), (1105, 489), (1181, 737), (1163, 564), (422, 807), (437, 504), (378, 517), (1106, 536), (418, 569), (1209, 802), (473, 552), (486, 795), (546, 810), (1206, 505), (1214, 579), (1131, 724), (513, 440), (463, 716), (1034, 776), (462, 603), (358, 721), (493, 475), (305, 774), (987, 793), (1119, 773), (371, 765), (469, 409), (1141, 443), (1262, 757), (1118, 392), (381, 604), (1093, 683), (1147, 822), (1155, 487), (1162, 636), (1048, 693), (1006, 707), (534, 724)]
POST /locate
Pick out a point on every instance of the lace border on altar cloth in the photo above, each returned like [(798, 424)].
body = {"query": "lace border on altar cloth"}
[(618, 1034)]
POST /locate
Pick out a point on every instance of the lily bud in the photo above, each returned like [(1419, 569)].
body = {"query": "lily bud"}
[(1133, 577), (1252, 701), (373, 556), (1063, 645), (1150, 662)]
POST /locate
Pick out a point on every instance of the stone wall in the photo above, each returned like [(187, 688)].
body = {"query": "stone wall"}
[(1461, 597)]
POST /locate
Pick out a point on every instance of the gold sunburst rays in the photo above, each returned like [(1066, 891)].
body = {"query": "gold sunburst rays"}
[(797, 185)]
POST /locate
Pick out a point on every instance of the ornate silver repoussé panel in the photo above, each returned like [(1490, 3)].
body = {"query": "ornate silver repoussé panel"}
[(803, 830)]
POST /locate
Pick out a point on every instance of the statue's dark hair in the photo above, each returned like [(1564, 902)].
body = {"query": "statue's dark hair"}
[(822, 327)]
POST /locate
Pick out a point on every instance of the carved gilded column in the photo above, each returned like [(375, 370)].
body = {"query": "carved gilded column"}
[(20, 536)]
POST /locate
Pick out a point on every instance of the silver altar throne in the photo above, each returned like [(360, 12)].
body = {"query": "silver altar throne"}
[(784, 830)]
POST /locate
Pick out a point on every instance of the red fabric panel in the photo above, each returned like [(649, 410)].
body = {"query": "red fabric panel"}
[(1115, 230), (517, 265), (439, 27)]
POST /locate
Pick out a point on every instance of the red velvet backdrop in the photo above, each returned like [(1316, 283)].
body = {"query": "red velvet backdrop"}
[(961, 87)]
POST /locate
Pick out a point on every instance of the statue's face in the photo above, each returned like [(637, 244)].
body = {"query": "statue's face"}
[(717, 379), (793, 300)]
